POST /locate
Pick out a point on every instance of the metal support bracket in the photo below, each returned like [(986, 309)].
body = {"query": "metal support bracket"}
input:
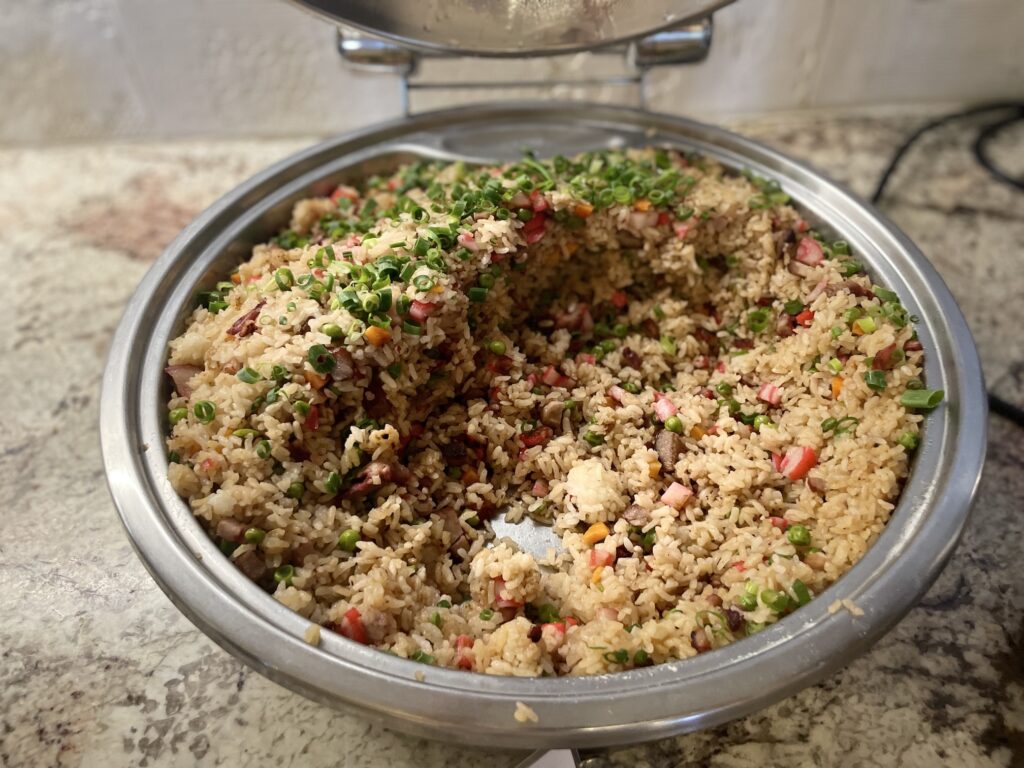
[(686, 44)]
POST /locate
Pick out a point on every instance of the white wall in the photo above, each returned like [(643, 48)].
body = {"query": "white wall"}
[(92, 69)]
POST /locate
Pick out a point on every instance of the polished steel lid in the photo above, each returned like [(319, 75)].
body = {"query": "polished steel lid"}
[(512, 27)]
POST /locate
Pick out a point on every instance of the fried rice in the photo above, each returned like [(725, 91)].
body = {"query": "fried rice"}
[(704, 399)]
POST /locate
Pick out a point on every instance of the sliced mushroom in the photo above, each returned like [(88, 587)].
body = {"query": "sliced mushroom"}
[(251, 564), (636, 515), (551, 414), (668, 446)]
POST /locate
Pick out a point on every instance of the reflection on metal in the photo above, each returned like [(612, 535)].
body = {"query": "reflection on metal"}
[(512, 28), (685, 44)]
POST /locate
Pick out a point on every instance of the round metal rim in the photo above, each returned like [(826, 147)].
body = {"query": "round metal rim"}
[(588, 711), (365, 17)]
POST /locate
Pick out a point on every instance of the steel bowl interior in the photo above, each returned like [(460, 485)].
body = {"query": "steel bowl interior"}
[(589, 711)]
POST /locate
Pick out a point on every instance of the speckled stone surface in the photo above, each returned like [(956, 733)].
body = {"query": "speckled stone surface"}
[(97, 668)]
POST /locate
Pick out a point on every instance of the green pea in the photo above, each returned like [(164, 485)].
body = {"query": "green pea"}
[(348, 540), (497, 347), (333, 330), (176, 415), (594, 439), (674, 424), (296, 489), (908, 440), (333, 483), (632, 387), (799, 535), (284, 574), (263, 449), (255, 535)]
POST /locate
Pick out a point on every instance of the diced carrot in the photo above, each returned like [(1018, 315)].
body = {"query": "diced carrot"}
[(351, 626), (697, 432), (595, 533), (571, 247), (377, 336), (316, 381), (837, 386), (469, 476), (583, 210), (805, 318), (236, 278), (642, 205)]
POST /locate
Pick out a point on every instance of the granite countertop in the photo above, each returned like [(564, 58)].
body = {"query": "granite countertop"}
[(98, 668)]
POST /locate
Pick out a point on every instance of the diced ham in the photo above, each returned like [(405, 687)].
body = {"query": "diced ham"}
[(572, 319), (617, 393), (798, 461), (251, 564), (464, 652), (777, 462), (349, 193), (608, 613), (376, 474), (682, 230), (182, 375), (884, 358), (664, 409), (620, 299), (599, 558), (351, 626), (780, 522), (818, 290), (540, 488), (553, 378), (246, 324), (312, 421), (537, 436), (231, 530), (421, 310), (502, 600), (676, 495), (539, 202), (809, 252), (468, 241), (769, 393), (534, 229)]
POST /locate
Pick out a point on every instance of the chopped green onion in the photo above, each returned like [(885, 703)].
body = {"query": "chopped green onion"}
[(284, 278), (547, 614), (668, 345), (594, 439), (908, 440), (245, 432), (248, 375), (747, 602), (621, 656), (757, 320), (793, 307), (922, 399), (263, 449), (864, 325), (835, 365), (422, 657), (876, 381), (412, 328), (803, 595), (205, 411), (284, 574), (477, 294), (321, 360), (486, 614)]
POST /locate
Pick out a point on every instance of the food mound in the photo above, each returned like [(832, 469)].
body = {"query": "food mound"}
[(708, 402)]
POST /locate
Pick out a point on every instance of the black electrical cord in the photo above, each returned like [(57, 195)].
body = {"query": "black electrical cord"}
[(1013, 113)]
